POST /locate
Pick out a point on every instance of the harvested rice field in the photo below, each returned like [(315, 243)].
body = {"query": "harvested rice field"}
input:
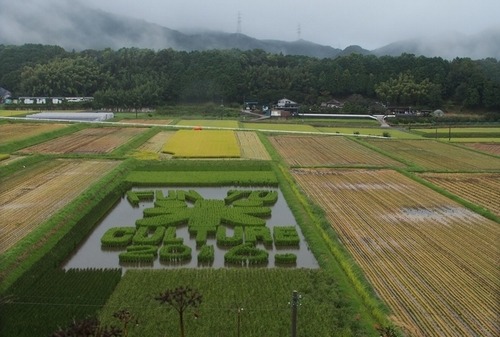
[(483, 189), (434, 262), (16, 131), (328, 151), (31, 196), (87, 141)]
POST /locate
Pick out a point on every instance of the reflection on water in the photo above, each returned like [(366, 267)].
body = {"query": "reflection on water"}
[(90, 254)]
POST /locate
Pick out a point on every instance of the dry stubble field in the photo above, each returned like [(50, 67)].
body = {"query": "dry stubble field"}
[(491, 148), (434, 262), (11, 132), (87, 141), (327, 151), (31, 196), (483, 189), (434, 155)]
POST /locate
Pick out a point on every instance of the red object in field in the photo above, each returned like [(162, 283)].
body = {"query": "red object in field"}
[(197, 128)]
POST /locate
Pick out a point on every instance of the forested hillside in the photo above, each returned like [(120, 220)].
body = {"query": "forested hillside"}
[(135, 78)]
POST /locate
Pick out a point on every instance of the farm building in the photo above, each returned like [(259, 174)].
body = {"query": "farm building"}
[(4, 94), (286, 103), (73, 116), (333, 103), (285, 108), (53, 100)]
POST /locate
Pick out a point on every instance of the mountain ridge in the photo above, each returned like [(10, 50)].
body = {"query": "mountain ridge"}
[(79, 27)]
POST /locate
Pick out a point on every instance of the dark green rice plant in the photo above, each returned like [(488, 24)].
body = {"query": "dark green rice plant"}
[(258, 234), (206, 254), (149, 235), (229, 241), (138, 254), (175, 253), (286, 236), (118, 237), (286, 259)]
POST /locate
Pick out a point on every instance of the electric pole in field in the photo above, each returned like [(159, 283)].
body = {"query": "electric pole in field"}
[(294, 303)]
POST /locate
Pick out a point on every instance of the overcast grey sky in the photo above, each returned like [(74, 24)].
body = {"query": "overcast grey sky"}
[(369, 23)]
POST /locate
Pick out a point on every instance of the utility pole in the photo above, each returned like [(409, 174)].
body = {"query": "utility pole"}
[(294, 304), (239, 319)]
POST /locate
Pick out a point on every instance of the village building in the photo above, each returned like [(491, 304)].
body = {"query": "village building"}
[(333, 103)]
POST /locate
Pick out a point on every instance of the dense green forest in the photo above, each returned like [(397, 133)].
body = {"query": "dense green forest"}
[(132, 78)]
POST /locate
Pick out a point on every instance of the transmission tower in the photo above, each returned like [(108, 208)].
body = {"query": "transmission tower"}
[(238, 27), (299, 31)]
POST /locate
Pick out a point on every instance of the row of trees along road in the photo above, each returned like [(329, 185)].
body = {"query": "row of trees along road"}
[(136, 78)]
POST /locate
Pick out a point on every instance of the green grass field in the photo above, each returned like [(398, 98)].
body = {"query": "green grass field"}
[(461, 134), (214, 123), (280, 127), (394, 133), (262, 295), (14, 113)]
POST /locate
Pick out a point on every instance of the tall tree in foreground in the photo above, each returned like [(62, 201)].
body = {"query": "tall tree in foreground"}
[(181, 299)]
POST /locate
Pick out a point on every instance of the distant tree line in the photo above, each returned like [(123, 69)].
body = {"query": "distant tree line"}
[(132, 78)]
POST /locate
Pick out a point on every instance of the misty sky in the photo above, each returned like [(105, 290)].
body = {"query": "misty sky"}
[(368, 23)]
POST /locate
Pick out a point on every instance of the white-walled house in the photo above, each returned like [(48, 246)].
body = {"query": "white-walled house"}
[(285, 103)]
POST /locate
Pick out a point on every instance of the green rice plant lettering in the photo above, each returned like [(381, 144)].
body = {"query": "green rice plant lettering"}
[(248, 203), (170, 203), (246, 254), (171, 238), (138, 254), (268, 198), (148, 235), (175, 253), (286, 259), (258, 234), (165, 220), (202, 233), (118, 237), (286, 236), (206, 254), (134, 197), (229, 241), (234, 195)]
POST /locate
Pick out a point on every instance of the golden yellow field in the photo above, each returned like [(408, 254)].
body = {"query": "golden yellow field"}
[(152, 149), (203, 144)]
